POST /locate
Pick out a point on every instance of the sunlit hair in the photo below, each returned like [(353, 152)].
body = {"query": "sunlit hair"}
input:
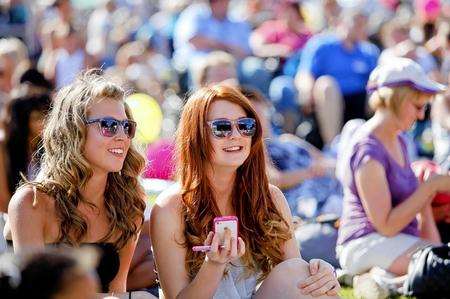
[(260, 223), (65, 170), (391, 98)]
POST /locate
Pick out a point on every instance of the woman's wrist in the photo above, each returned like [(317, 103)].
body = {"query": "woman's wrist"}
[(215, 264), (430, 189)]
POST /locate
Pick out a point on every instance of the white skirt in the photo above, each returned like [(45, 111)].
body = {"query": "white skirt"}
[(374, 250)]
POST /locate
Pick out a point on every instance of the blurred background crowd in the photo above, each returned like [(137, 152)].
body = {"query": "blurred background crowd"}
[(287, 53)]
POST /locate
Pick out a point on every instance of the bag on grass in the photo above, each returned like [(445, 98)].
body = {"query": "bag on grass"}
[(429, 273)]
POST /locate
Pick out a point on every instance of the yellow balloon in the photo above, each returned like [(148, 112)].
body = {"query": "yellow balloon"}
[(148, 116)]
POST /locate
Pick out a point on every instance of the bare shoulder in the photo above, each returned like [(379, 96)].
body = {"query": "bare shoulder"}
[(169, 199), (29, 201), (277, 195), (28, 215), (280, 201), (275, 191), (166, 212)]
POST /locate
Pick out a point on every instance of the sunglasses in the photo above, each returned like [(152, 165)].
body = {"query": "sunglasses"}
[(223, 127), (109, 127)]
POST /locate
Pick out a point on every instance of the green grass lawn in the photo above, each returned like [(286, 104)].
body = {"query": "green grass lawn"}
[(347, 293)]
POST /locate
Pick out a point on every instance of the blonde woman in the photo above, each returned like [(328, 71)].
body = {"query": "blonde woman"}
[(382, 197), (87, 190)]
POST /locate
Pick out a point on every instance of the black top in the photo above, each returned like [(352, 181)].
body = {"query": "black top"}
[(108, 265)]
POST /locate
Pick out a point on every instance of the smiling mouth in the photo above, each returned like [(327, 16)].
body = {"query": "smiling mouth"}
[(233, 149), (116, 151)]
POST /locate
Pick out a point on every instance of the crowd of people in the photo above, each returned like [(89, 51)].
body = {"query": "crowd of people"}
[(323, 126)]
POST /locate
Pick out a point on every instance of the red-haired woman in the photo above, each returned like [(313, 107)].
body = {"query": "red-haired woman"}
[(221, 171)]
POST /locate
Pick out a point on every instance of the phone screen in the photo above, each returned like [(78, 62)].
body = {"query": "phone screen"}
[(220, 224)]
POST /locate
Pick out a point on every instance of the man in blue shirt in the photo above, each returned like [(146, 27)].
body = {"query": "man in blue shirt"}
[(203, 28), (333, 72)]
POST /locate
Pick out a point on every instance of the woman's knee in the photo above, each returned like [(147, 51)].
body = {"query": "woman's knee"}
[(400, 265), (283, 280), (295, 267)]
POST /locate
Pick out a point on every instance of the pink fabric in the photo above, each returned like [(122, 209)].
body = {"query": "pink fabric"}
[(391, 4), (429, 10), (277, 32), (161, 163)]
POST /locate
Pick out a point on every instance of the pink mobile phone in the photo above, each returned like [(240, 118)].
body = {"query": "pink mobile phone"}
[(230, 222)]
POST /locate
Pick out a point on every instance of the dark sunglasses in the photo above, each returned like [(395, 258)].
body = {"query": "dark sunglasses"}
[(223, 127), (109, 127)]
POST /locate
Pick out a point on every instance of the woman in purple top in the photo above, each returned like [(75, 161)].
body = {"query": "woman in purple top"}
[(387, 214)]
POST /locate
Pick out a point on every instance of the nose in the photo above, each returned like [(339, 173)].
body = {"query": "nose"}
[(121, 134), (234, 131)]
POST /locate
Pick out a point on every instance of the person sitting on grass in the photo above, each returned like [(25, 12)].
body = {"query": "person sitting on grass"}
[(87, 190), (222, 171), (382, 197)]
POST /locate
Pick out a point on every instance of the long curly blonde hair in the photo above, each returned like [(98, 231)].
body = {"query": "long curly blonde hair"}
[(65, 171)]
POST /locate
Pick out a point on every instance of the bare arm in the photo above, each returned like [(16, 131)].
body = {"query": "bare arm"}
[(428, 228), (119, 283), (312, 150), (142, 269), (166, 230), (205, 43), (263, 49), (26, 221), (291, 178), (320, 166), (374, 192), (291, 249)]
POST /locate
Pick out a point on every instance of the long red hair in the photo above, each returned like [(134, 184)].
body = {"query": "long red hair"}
[(261, 225)]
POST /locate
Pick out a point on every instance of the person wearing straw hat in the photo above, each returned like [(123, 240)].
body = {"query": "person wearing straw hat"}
[(382, 197)]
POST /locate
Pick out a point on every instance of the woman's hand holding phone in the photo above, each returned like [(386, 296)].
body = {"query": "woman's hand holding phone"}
[(230, 249)]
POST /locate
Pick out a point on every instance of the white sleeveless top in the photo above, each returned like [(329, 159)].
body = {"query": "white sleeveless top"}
[(235, 284)]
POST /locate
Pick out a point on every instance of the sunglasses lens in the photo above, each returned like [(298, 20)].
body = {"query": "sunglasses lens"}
[(247, 126), (129, 128), (109, 127), (221, 128)]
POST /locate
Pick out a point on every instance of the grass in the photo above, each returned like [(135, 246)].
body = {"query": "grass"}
[(347, 293)]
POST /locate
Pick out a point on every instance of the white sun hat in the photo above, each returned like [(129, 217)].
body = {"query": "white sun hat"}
[(402, 72)]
